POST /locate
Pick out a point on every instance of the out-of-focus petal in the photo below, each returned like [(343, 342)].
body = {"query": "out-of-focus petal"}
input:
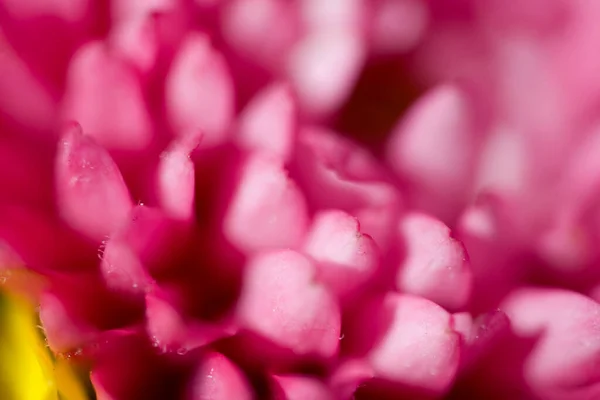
[(91, 194), (433, 147), (268, 122), (199, 92), (105, 97), (298, 387)]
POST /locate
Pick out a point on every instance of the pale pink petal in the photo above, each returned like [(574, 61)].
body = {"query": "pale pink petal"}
[(298, 387), (176, 180), (397, 26), (563, 361), (91, 194), (436, 265), (339, 15), (63, 333), (122, 268), (433, 147), (267, 209), (417, 347), (336, 173), (268, 122), (243, 23), (347, 258), (105, 97), (199, 92), (217, 378), (170, 331), (323, 67), (136, 41), (281, 302)]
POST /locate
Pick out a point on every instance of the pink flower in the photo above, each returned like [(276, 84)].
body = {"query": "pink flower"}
[(242, 198)]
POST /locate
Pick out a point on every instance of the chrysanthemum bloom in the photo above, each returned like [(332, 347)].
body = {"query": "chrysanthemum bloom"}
[(230, 200)]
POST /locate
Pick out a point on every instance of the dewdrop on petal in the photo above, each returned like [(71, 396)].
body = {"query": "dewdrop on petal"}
[(436, 265), (199, 92), (267, 209), (282, 302), (217, 378), (91, 194)]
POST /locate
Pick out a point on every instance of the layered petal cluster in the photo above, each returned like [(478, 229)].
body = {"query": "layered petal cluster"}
[(306, 199)]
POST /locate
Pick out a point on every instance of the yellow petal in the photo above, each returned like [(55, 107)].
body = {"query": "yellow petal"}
[(28, 371)]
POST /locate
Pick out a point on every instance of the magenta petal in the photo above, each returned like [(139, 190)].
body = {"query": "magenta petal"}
[(268, 122), (281, 302), (267, 209), (436, 265), (105, 96), (63, 332), (298, 387), (217, 378), (91, 194), (170, 331), (42, 243), (122, 269), (199, 92), (347, 258)]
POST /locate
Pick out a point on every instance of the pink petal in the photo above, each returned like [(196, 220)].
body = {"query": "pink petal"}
[(269, 122), (298, 387), (176, 179), (336, 173), (91, 194), (390, 37), (436, 265), (563, 362), (24, 98), (199, 92), (217, 378), (414, 345), (122, 269), (104, 95), (243, 23), (267, 209), (136, 41), (281, 302), (480, 335), (323, 67), (433, 147), (347, 258), (63, 332), (170, 331)]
